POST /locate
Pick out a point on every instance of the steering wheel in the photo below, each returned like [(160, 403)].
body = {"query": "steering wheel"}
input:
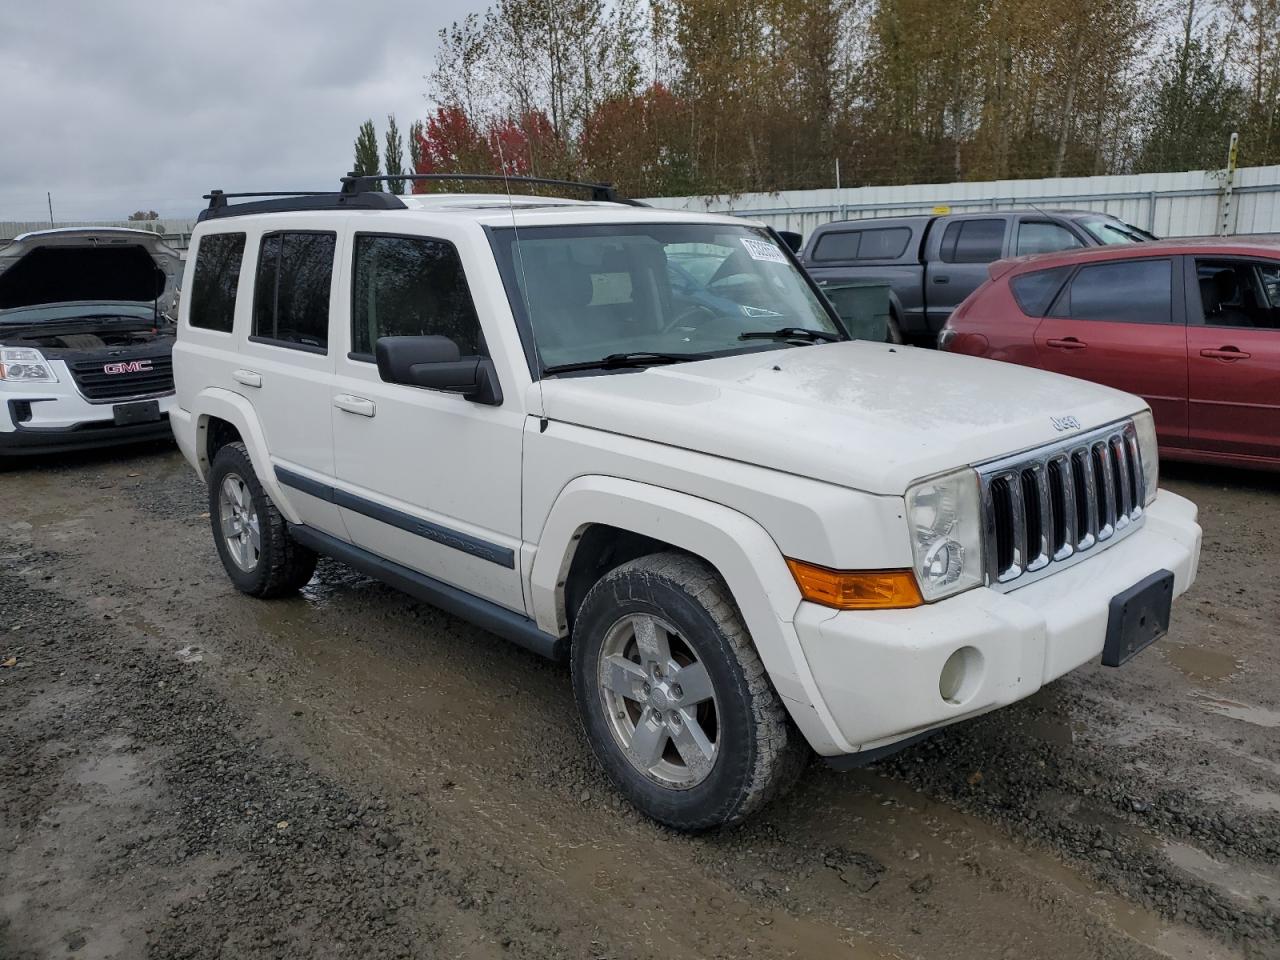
[(690, 316)]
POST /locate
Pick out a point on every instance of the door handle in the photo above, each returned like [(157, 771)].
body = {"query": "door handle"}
[(1227, 353), (941, 279), (1067, 343), (357, 405), (247, 377)]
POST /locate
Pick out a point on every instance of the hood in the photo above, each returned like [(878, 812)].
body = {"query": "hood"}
[(87, 266), (870, 416)]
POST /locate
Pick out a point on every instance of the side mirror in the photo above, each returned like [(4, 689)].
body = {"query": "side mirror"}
[(792, 239), (436, 363)]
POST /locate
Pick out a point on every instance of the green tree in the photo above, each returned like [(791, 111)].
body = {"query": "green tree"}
[(394, 156), (417, 130), (366, 160)]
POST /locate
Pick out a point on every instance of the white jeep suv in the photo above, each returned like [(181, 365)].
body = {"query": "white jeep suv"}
[(643, 441)]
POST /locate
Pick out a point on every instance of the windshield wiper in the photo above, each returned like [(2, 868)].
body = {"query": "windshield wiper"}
[(792, 333), (615, 361)]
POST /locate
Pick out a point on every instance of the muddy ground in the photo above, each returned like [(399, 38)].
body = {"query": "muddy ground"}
[(187, 772)]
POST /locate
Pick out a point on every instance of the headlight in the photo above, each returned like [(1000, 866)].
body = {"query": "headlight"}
[(946, 533), (1145, 426), (25, 365)]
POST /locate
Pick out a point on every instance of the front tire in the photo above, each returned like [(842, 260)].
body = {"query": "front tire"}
[(674, 699), (251, 534)]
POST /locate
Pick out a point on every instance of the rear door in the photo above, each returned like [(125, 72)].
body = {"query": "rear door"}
[(960, 251), (888, 253), (285, 366), (1120, 322), (1233, 355)]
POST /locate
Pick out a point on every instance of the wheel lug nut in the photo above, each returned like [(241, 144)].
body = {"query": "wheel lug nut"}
[(675, 719), (677, 692), (646, 689)]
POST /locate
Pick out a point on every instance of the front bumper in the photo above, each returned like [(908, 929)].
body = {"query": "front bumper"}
[(50, 420), (879, 671)]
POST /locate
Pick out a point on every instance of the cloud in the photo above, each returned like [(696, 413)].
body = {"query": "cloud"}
[(129, 105)]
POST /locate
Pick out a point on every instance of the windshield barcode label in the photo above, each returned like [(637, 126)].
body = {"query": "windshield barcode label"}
[(763, 250)]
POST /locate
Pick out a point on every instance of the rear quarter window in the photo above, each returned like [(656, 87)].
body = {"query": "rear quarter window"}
[(214, 281), (1035, 291)]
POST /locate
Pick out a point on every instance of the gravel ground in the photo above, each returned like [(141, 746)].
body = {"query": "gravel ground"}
[(191, 773)]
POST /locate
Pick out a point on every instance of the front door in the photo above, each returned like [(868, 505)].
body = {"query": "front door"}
[(426, 479), (1233, 356), (1118, 322)]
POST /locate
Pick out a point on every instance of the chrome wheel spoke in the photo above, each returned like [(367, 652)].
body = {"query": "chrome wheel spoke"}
[(691, 741), (623, 677), (255, 536), (648, 742), (694, 684), (654, 644)]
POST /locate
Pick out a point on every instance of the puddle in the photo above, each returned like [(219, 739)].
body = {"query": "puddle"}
[(1258, 716), (1197, 663), (1243, 881)]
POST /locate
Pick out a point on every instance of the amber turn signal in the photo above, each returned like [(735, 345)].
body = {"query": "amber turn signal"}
[(856, 589)]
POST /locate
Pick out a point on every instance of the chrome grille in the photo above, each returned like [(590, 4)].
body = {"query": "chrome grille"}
[(1047, 506)]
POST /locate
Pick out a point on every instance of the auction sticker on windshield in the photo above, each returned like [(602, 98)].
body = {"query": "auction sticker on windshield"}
[(763, 250)]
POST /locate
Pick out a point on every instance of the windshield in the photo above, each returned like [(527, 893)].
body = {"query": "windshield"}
[(589, 292), (1108, 232)]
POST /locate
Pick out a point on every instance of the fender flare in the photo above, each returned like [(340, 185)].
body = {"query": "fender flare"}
[(237, 411), (739, 549)]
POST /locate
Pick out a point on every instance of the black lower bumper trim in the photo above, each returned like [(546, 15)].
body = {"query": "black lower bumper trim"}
[(33, 441), (852, 761)]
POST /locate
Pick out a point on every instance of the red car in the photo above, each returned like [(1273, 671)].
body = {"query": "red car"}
[(1192, 326)]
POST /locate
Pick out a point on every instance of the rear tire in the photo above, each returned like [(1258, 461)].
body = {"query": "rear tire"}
[(674, 698), (250, 533)]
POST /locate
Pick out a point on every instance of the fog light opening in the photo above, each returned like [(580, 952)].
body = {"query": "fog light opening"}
[(961, 675)]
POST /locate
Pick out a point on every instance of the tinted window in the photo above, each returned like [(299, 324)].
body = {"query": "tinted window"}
[(1137, 291), (213, 284), (1035, 291), (973, 241), (291, 294), (838, 245), (1239, 293), (881, 243), (1037, 236), (409, 287)]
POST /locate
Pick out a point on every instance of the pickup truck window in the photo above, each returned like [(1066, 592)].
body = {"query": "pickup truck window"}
[(291, 292), (410, 287), (591, 291), (973, 241), (882, 243), (1041, 236), (213, 286), (1035, 291), (1135, 291)]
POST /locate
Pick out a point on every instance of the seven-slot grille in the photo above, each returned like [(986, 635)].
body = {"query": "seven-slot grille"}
[(1048, 505), (134, 377)]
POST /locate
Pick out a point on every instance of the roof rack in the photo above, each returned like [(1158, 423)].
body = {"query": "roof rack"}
[(359, 192), (600, 192)]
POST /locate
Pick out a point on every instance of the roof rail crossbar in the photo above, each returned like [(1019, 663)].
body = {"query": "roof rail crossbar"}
[(354, 183), (290, 200)]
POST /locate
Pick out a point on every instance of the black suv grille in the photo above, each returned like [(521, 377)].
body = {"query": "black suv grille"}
[(104, 378)]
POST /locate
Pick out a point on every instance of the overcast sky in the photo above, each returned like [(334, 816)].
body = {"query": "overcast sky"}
[(120, 105)]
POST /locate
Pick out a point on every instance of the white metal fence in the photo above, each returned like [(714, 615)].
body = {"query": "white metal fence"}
[(1195, 203)]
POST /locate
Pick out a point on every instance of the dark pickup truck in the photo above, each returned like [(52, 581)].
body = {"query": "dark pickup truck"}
[(933, 262)]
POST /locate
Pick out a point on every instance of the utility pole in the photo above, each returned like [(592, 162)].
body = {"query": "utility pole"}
[(837, 173), (1228, 184), (49, 196)]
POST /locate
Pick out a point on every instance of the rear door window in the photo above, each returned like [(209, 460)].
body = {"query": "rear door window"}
[(1133, 291), (1035, 291), (291, 292), (973, 241), (214, 281), (1041, 236)]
